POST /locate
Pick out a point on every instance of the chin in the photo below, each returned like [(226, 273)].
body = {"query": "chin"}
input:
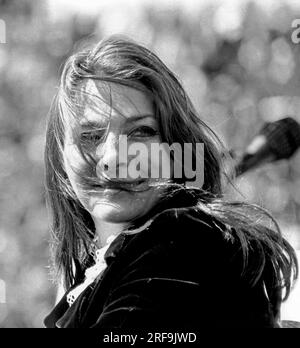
[(120, 207)]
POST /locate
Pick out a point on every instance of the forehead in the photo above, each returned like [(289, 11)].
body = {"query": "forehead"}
[(105, 100)]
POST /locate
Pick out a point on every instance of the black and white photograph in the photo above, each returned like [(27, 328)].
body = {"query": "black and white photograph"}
[(149, 167)]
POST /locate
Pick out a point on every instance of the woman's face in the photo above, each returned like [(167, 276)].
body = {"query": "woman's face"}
[(114, 123)]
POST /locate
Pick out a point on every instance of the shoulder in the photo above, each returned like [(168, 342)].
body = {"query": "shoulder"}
[(193, 245), (187, 243), (186, 230), (161, 273), (186, 263)]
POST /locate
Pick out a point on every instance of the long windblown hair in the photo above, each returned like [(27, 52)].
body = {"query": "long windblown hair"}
[(125, 62)]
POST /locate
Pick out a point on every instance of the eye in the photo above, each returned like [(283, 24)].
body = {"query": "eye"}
[(92, 137), (143, 132)]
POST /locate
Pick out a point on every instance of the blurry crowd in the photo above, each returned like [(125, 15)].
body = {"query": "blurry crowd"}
[(238, 64)]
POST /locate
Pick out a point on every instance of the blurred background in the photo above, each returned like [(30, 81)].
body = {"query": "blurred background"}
[(237, 61)]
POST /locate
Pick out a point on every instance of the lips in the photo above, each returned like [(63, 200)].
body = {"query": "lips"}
[(123, 184), (136, 185), (132, 183)]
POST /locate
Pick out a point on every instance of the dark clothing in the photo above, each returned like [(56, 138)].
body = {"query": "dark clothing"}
[(178, 273)]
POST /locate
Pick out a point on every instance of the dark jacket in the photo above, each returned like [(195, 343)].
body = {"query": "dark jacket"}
[(178, 273)]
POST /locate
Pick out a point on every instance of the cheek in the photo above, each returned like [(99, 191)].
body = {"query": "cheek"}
[(161, 164), (74, 164), (71, 158)]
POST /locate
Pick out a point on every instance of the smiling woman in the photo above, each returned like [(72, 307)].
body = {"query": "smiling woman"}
[(109, 195), (137, 251)]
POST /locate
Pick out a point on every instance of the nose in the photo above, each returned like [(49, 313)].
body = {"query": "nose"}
[(111, 164)]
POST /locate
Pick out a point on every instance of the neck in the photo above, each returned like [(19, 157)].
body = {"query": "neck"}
[(106, 229)]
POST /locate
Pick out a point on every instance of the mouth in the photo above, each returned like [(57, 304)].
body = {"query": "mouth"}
[(133, 184), (124, 185)]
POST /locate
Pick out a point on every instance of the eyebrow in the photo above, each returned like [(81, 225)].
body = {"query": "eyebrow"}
[(135, 118), (98, 124)]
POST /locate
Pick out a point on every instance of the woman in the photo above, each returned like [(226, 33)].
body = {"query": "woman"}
[(138, 250)]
